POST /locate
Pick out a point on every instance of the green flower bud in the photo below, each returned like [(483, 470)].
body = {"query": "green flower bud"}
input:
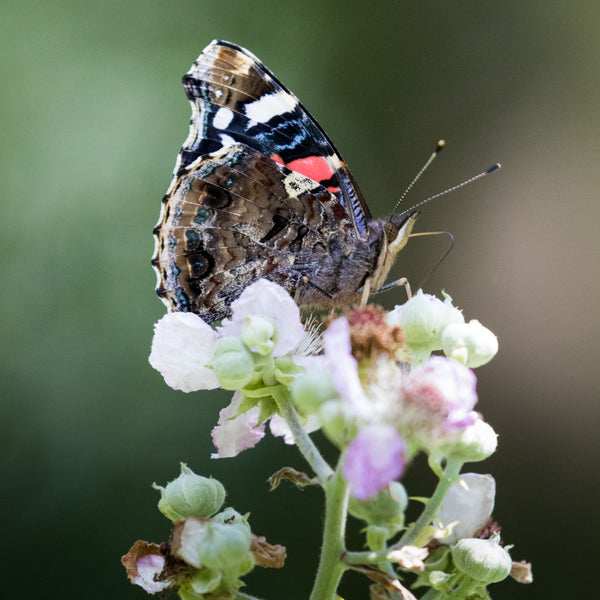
[(286, 369), (259, 334), (482, 560), (386, 508), (337, 424), (190, 495), (311, 389), (423, 319), (475, 443), (230, 516), (232, 363), (225, 547), (470, 343), (377, 536), (202, 582)]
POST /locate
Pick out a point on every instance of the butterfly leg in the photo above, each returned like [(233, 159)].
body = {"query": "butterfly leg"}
[(366, 292), (402, 282)]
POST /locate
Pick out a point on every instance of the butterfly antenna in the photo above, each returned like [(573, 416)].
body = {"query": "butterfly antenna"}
[(438, 149), (453, 188)]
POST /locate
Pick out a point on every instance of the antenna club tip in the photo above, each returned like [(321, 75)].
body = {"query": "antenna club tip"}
[(493, 168), (440, 145)]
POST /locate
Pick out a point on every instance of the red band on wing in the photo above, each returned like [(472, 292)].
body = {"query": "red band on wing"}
[(315, 167)]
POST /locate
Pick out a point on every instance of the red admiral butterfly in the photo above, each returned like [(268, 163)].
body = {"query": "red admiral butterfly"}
[(259, 191)]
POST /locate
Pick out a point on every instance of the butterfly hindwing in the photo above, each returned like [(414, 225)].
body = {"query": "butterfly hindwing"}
[(235, 216)]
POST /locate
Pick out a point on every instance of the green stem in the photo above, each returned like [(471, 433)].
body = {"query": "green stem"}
[(366, 558), (464, 590), (449, 476), (432, 595), (331, 568), (306, 446)]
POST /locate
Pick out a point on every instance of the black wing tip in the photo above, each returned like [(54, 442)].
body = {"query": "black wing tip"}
[(226, 44)]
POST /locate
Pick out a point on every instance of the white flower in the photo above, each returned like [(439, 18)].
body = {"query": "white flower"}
[(470, 343), (267, 299), (469, 502), (423, 318), (182, 346)]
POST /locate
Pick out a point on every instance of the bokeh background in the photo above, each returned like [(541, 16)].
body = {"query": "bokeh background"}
[(92, 115)]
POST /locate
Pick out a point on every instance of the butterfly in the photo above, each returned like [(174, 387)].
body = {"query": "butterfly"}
[(260, 191)]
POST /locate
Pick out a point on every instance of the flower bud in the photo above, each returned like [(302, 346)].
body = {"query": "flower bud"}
[(477, 442), (311, 389), (230, 516), (202, 582), (190, 495), (259, 334), (423, 319), (225, 547), (387, 506), (204, 543), (483, 560), (286, 370), (232, 363), (470, 343), (377, 536)]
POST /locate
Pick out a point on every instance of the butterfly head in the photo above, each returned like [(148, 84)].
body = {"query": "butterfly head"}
[(395, 234)]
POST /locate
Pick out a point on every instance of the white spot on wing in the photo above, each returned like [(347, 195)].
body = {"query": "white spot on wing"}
[(226, 140), (222, 118), (269, 106)]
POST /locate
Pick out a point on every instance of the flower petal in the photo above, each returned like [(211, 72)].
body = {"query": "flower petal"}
[(279, 428), (469, 501), (148, 567), (374, 459), (267, 299), (182, 345), (233, 434), (443, 391), (344, 369)]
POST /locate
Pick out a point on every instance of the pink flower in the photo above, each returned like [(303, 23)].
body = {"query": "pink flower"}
[(235, 433), (148, 567), (438, 398), (375, 458), (344, 369)]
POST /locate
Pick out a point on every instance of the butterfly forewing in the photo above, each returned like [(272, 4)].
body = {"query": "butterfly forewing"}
[(235, 98)]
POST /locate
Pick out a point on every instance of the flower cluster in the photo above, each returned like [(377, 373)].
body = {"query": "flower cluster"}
[(209, 550), (383, 387)]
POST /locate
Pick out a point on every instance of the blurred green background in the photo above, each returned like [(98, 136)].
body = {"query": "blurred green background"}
[(92, 116)]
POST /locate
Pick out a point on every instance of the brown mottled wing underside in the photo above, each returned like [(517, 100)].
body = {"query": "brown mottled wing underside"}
[(235, 216)]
